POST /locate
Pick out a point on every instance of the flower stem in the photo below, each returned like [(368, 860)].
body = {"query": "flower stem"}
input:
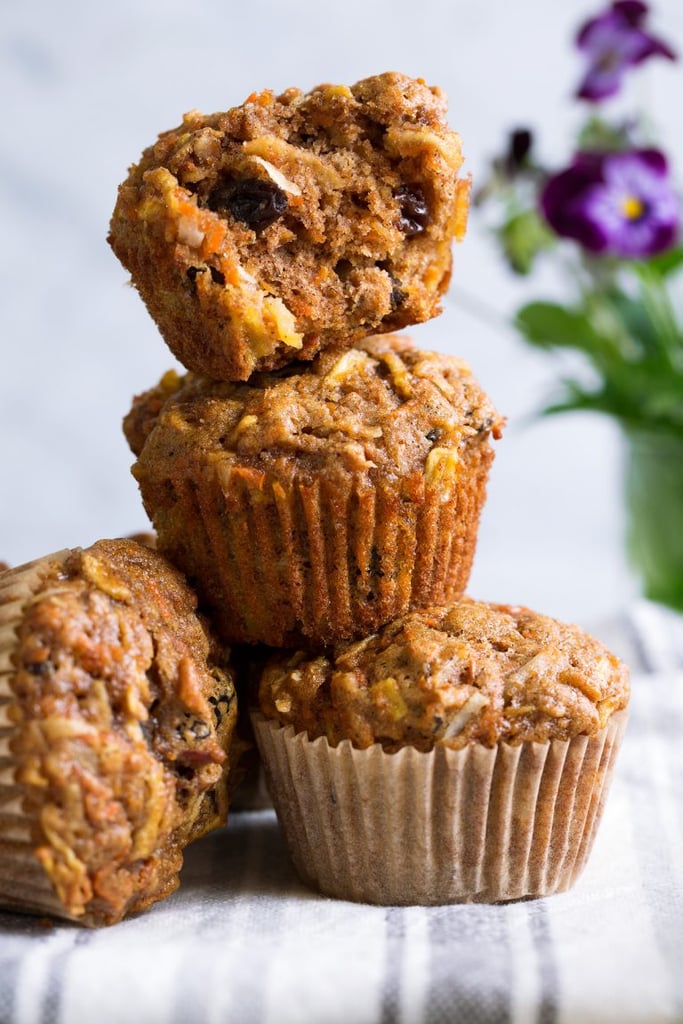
[(657, 304)]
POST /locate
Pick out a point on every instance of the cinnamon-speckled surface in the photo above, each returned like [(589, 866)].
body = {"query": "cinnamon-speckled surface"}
[(320, 501), (470, 672)]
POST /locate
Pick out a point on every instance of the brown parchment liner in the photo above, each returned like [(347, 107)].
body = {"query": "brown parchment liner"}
[(24, 884), (283, 560), (448, 826)]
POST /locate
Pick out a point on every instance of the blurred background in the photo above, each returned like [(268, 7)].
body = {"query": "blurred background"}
[(88, 86)]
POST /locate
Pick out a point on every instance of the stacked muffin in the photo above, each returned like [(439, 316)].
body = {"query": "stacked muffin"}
[(312, 480), (319, 480)]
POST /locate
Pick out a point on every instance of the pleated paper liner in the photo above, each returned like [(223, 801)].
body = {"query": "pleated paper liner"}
[(449, 826), (281, 561), (24, 885)]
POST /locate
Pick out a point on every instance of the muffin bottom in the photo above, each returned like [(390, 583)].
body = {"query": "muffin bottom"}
[(448, 826)]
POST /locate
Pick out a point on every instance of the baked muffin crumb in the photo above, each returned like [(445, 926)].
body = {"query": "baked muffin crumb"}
[(294, 223)]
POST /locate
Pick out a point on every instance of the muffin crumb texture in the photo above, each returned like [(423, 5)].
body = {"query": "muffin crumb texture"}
[(294, 223), (470, 672), (119, 719)]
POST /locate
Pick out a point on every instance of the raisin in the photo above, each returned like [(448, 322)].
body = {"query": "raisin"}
[(193, 271), (398, 296), (39, 668), (254, 202), (414, 212), (216, 276), (433, 434)]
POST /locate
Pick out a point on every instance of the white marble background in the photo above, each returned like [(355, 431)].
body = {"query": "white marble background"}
[(87, 85)]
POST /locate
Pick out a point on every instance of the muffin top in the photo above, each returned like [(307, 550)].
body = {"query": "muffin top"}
[(294, 222), (469, 672), (382, 408), (117, 686)]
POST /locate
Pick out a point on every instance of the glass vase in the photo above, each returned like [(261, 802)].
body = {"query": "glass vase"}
[(654, 512)]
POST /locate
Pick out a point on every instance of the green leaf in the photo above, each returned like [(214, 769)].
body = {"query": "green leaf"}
[(666, 263), (548, 325), (634, 395), (659, 308), (600, 136), (637, 324), (523, 237)]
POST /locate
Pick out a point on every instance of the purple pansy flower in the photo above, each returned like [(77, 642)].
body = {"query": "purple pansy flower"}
[(618, 203), (613, 42)]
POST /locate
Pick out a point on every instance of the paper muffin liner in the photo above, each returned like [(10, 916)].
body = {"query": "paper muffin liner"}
[(282, 562), (448, 826), (24, 885)]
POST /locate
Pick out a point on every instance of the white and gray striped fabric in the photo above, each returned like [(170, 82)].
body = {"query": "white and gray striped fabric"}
[(244, 941)]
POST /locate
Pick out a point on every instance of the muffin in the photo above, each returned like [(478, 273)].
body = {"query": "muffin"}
[(294, 223), (117, 717), (462, 753), (316, 503)]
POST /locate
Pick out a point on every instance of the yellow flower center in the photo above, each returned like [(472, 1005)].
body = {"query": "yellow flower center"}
[(632, 207)]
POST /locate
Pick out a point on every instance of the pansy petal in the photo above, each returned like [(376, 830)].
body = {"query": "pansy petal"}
[(621, 203), (614, 41), (599, 85), (653, 47), (655, 160), (632, 11)]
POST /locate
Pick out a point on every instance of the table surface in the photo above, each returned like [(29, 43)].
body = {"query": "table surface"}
[(243, 940)]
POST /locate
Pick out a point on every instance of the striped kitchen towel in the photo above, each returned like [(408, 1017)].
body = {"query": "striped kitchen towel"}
[(244, 941)]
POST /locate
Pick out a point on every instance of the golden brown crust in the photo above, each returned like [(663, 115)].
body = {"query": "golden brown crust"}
[(381, 408), (147, 538), (469, 672), (294, 223), (319, 501), (123, 720)]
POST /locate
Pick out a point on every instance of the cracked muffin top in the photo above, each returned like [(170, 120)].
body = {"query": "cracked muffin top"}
[(294, 223), (383, 407), (116, 685), (469, 672)]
